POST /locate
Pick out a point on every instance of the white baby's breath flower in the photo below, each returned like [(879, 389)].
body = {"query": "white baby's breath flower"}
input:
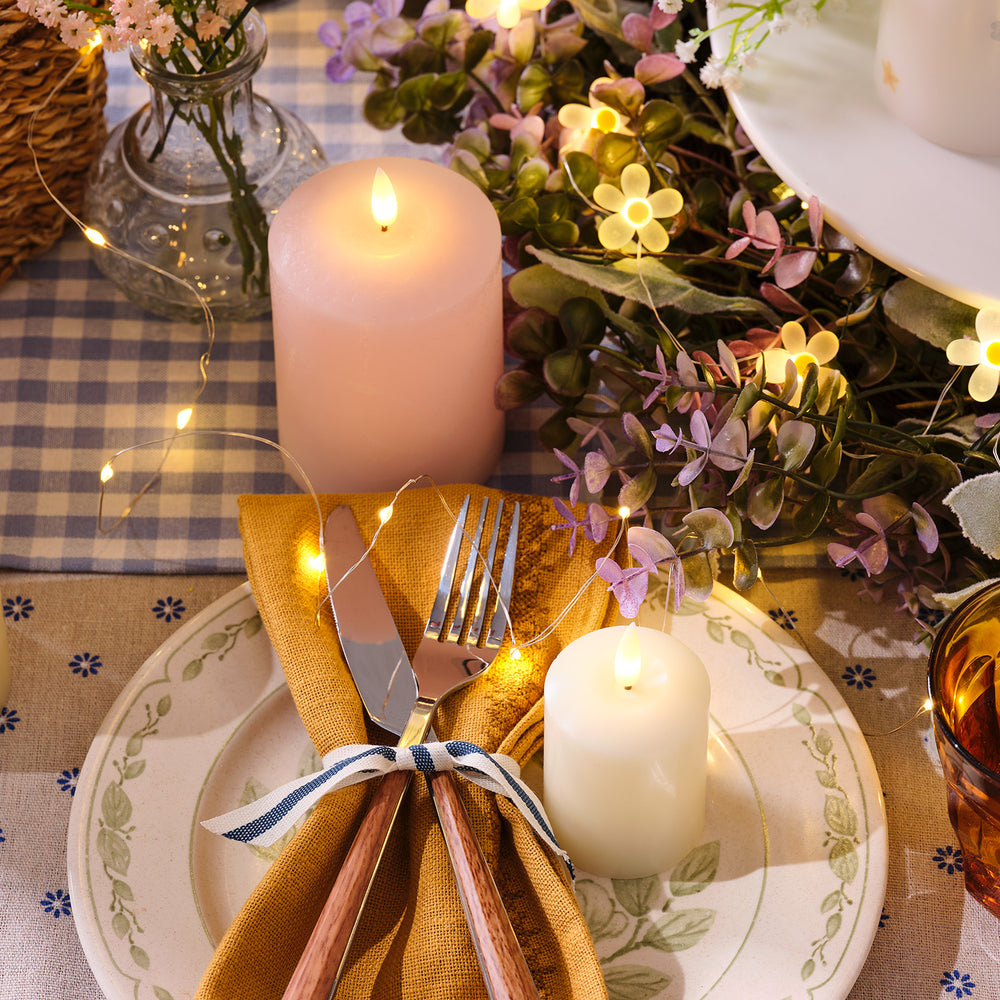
[(713, 73), (670, 6), (686, 50)]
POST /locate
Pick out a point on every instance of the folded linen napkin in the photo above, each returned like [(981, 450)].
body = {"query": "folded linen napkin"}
[(413, 941)]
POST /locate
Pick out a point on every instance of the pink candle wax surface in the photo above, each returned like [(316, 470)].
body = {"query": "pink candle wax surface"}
[(387, 342)]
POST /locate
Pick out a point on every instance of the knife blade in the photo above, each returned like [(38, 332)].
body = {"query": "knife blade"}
[(381, 670)]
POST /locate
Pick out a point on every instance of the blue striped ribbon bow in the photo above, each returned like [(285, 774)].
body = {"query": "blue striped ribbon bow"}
[(270, 817)]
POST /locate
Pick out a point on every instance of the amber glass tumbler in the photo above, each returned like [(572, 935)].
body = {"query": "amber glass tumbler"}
[(962, 680)]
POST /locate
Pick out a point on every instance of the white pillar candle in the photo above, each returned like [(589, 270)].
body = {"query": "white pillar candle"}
[(388, 335), (625, 762)]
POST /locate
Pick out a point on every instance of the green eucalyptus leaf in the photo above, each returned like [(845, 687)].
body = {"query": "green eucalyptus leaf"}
[(382, 108), (582, 321), (699, 576), (533, 335), (810, 515), (546, 288), (602, 16), (416, 57), (795, 441), (461, 165), (615, 152), (660, 121), (518, 216), (478, 44), (440, 28), (666, 287), (639, 437), (567, 372), (414, 93), (810, 389), (446, 90), (745, 565), (517, 388), (562, 233), (825, 463), (533, 86), (927, 314), (764, 504), (581, 173), (637, 491), (532, 176)]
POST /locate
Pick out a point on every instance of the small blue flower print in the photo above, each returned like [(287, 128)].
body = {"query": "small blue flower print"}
[(169, 609), (930, 616), (17, 608), (949, 859), (8, 719), (85, 664), (883, 920), (859, 676), (57, 903), (67, 780), (786, 619), (3, 836), (958, 983)]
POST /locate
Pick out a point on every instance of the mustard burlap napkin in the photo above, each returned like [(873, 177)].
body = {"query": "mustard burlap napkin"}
[(413, 941)]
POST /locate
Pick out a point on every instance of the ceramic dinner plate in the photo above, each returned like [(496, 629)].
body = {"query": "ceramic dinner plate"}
[(780, 899), (810, 106)]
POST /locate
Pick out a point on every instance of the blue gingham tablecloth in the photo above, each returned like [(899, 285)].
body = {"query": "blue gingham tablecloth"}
[(85, 373)]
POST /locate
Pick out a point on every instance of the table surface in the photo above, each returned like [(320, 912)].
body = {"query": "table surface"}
[(83, 373)]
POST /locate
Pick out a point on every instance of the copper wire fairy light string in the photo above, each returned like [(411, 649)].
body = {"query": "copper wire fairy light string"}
[(97, 239)]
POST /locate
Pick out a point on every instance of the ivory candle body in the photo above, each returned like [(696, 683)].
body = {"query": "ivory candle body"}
[(388, 344), (625, 770)]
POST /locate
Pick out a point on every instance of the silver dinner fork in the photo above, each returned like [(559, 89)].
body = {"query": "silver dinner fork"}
[(444, 662)]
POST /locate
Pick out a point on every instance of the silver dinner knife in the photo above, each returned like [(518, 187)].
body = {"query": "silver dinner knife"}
[(384, 678)]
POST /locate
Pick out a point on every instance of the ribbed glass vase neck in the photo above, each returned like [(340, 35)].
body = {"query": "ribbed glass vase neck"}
[(200, 86)]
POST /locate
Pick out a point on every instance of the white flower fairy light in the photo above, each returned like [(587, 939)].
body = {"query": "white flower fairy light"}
[(984, 354), (635, 214), (507, 12)]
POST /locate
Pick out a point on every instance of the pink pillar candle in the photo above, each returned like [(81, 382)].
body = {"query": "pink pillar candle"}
[(388, 340)]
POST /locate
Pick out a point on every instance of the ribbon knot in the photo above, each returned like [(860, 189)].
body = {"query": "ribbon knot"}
[(268, 818)]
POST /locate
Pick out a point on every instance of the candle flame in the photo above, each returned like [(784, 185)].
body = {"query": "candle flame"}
[(628, 658), (383, 200)]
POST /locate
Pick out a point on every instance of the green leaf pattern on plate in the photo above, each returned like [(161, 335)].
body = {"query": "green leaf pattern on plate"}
[(255, 789), (114, 830), (640, 913)]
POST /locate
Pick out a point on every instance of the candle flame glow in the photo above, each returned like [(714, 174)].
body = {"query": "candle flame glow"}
[(383, 200), (628, 658)]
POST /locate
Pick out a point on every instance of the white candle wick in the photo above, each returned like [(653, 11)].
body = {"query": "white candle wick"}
[(628, 658), (383, 200)]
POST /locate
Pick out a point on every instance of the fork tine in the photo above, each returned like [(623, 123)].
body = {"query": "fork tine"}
[(484, 584), (506, 587), (466, 588), (436, 620)]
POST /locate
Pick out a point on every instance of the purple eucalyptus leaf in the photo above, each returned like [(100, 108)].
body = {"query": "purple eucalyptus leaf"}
[(794, 268), (596, 471), (638, 31), (657, 67), (927, 532), (715, 529)]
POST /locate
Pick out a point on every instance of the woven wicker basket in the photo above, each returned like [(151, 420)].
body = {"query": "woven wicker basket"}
[(67, 135)]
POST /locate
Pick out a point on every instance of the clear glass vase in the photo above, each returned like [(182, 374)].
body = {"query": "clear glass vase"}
[(188, 185)]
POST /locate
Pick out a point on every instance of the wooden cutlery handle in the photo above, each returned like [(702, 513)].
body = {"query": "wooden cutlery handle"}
[(504, 969), (325, 955)]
